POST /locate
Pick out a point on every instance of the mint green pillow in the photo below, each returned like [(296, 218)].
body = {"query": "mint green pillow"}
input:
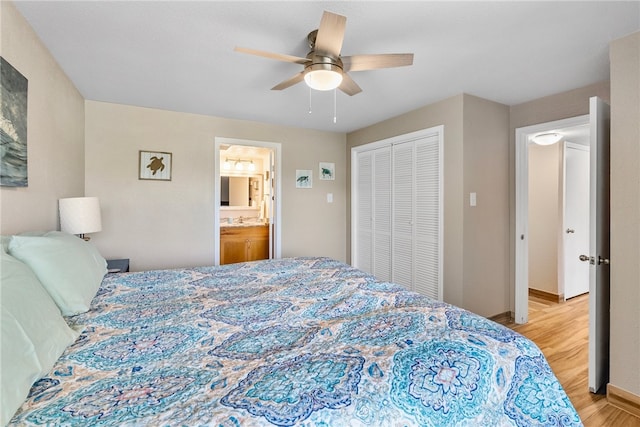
[(69, 268), (4, 243), (34, 334)]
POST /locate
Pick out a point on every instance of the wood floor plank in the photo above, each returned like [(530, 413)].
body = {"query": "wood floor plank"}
[(561, 331)]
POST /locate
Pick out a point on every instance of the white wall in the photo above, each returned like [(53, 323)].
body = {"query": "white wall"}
[(55, 135), (163, 224)]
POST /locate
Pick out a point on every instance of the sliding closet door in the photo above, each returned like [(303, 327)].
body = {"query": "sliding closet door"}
[(417, 226), (428, 220), (403, 215), (373, 237), (397, 210), (364, 204), (382, 214)]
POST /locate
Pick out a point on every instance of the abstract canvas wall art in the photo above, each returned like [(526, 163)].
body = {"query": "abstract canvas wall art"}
[(13, 126)]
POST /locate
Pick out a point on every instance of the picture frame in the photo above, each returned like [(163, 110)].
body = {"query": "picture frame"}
[(327, 171), (304, 178), (154, 165)]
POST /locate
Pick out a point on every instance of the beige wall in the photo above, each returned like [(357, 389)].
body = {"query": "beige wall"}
[(475, 159), (625, 213), (563, 105), (486, 231), (160, 224), (55, 138), (544, 216)]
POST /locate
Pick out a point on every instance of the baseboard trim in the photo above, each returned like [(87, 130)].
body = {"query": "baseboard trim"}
[(547, 296), (624, 400), (503, 318)]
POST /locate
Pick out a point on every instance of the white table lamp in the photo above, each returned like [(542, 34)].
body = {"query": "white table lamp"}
[(80, 215)]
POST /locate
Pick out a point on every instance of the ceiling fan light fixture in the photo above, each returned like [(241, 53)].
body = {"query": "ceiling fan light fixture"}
[(549, 138), (323, 76)]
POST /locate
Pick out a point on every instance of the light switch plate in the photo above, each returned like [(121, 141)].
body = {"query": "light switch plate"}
[(472, 199)]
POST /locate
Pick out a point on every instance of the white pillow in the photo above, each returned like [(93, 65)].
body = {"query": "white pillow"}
[(34, 334), (69, 268)]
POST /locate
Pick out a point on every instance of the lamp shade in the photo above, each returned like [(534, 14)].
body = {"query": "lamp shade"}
[(80, 215), (547, 138), (323, 76)]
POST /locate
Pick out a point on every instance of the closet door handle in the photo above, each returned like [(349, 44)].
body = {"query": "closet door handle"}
[(570, 230)]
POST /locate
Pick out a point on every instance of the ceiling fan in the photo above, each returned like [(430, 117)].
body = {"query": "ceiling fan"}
[(324, 68)]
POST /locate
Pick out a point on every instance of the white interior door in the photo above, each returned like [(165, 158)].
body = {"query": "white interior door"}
[(270, 203), (598, 256), (576, 219)]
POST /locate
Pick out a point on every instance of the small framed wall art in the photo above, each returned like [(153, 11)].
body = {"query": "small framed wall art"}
[(154, 165), (304, 178), (327, 171)]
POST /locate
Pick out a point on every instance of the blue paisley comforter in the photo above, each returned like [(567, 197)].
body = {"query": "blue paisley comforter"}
[(299, 341)]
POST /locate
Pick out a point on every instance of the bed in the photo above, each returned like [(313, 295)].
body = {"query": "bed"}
[(295, 341)]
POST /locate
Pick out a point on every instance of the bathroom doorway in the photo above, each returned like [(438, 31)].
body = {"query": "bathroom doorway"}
[(247, 200)]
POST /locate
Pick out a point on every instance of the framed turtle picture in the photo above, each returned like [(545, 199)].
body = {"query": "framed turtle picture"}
[(154, 165), (327, 171), (304, 178)]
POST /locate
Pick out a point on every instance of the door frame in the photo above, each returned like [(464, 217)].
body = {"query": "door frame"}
[(521, 237), (275, 225)]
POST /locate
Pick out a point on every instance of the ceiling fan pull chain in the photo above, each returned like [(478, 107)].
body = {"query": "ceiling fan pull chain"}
[(334, 105), (309, 100)]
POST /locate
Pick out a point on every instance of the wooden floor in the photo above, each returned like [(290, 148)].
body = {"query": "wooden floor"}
[(562, 333)]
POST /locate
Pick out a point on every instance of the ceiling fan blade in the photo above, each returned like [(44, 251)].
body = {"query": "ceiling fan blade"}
[(289, 82), (276, 56), (349, 86), (372, 62), (330, 34)]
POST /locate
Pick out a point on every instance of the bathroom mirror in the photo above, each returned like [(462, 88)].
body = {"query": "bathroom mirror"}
[(241, 191)]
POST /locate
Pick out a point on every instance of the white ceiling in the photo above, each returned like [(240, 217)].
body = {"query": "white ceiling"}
[(178, 55)]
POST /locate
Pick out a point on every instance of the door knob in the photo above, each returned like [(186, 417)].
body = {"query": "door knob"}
[(570, 230), (604, 261), (584, 258)]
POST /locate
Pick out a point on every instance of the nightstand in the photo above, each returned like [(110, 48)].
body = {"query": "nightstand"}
[(117, 265)]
